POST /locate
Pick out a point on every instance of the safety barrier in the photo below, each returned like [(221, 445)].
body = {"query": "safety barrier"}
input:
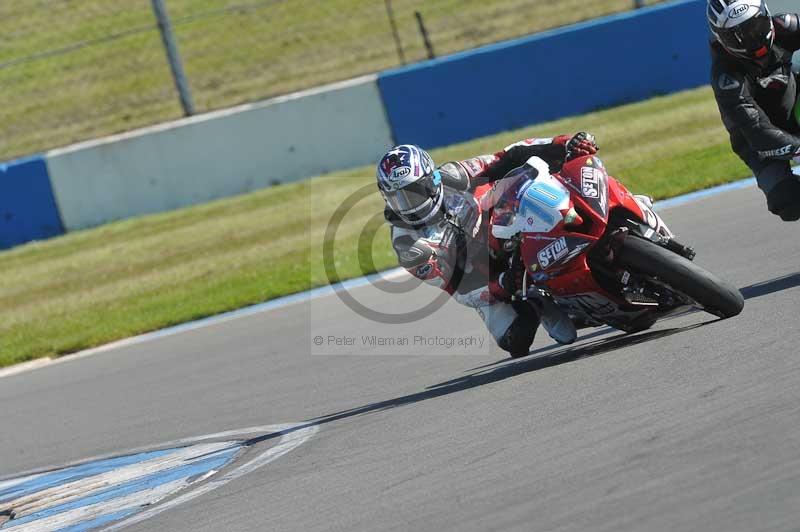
[(570, 71), (558, 73), (27, 208), (219, 154)]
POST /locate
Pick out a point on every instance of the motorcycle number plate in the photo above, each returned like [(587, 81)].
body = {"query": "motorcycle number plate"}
[(542, 202)]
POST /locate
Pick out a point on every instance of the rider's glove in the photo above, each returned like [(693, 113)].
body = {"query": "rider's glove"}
[(580, 145), (508, 286)]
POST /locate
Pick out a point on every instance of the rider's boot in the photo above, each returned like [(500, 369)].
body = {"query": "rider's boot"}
[(519, 336), (555, 321)]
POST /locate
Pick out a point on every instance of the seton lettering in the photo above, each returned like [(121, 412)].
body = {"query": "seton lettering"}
[(553, 252)]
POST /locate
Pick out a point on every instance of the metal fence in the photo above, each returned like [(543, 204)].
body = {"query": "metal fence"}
[(74, 70)]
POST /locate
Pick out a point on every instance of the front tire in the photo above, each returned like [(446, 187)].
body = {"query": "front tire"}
[(715, 295)]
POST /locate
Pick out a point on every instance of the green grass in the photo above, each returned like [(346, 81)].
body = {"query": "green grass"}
[(260, 49), (95, 286)]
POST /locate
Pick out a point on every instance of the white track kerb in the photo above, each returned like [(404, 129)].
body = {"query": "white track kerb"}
[(309, 295), (131, 486)]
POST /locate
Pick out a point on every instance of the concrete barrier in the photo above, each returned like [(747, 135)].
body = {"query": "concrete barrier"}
[(27, 208), (569, 71), (563, 72), (220, 154)]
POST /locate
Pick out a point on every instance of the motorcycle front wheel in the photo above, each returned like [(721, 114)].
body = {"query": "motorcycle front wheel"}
[(714, 294)]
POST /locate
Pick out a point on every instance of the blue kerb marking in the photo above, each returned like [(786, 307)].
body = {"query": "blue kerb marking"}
[(76, 473), (100, 521), (360, 282), (702, 194), (269, 305), (214, 460)]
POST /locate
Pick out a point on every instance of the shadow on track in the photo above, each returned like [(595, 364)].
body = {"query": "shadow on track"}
[(765, 288), (511, 368), (548, 357)]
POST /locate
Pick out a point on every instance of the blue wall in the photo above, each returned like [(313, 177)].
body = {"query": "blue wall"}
[(559, 73), (569, 71), (27, 208)]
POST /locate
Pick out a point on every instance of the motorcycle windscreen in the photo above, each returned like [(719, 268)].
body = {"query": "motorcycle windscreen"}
[(504, 210)]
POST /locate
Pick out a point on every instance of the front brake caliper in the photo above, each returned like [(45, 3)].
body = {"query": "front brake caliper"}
[(676, 247)]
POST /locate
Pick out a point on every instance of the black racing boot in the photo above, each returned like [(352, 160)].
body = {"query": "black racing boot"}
[(520, 335)]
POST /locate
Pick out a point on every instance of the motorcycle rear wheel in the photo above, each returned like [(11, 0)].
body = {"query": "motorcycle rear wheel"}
[(714, 294)]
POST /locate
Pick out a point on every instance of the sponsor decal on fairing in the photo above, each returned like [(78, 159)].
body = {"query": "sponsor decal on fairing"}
[(577, 250), (590, 182), (553, 253)]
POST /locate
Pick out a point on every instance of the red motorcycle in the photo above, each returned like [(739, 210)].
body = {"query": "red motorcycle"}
[(601, 254)]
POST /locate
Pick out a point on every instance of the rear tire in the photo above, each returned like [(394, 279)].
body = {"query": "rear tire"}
[(715, 295)]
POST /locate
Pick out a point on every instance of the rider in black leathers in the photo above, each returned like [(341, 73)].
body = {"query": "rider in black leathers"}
[(756, 91)]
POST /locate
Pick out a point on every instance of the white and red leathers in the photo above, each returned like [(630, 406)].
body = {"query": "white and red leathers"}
[(452, 252)]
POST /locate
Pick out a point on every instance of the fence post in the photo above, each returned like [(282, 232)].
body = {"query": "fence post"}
[(395, 34), (424, 31), (175, 64)]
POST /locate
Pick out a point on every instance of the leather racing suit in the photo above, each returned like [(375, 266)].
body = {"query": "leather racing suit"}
[(453, 255), (756, 100)]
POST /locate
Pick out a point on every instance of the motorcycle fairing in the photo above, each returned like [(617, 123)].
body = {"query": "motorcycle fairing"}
[(590, 182), (558, 258), (553, 252)]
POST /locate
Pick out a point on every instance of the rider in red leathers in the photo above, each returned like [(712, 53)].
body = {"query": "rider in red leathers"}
[(439, 237)]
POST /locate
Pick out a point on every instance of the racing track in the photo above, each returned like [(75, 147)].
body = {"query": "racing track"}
[(694, 425)]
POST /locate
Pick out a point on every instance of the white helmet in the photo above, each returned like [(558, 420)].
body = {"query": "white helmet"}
[(743, 27), (410, 184)]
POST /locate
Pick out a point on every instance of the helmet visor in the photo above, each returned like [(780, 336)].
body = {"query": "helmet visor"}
[(415, 202), (752, 38)]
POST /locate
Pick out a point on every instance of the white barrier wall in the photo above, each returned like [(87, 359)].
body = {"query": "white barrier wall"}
[(220, 154)]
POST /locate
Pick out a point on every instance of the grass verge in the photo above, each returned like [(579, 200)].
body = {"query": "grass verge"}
[(91, 287), (75, 70)]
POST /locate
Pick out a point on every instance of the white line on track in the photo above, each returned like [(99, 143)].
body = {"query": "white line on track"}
[(66, 492), (292, 436), (306, 296), (86, 513)]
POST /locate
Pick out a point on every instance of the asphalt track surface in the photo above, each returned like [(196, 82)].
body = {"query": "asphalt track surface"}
[(693, 425)]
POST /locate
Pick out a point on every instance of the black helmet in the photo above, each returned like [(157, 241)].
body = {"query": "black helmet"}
[(743, 27)]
